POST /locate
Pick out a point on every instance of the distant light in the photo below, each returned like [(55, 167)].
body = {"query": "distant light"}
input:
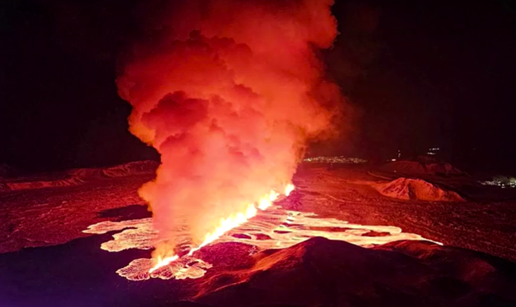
[(431, 153), (339, 159), (502, 184), (393, 160)]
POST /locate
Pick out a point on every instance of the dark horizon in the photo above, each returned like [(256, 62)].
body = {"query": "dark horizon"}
[(418, 75)]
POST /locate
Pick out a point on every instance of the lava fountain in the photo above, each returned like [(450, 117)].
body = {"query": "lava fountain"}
[(229, 93), (225, 225)]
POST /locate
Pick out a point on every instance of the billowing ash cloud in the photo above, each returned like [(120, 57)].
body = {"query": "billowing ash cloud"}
[(229, 93)]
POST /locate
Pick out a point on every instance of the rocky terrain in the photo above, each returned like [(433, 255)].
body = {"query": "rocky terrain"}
[(47, 259)]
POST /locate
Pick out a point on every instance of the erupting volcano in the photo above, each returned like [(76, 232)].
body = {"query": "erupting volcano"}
[(229, 93), (199, 153)]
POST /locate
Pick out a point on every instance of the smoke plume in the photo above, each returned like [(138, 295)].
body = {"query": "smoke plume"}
[(228, 92)]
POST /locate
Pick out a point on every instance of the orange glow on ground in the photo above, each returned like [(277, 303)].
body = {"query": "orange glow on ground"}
[(281, 228), (225, 225)]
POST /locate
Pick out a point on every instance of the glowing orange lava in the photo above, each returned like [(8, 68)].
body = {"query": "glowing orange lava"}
[(290, 187), (283, 228), (162, 262), (227, 224)]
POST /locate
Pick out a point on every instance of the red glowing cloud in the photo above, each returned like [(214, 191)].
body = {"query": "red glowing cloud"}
[(229, 93)]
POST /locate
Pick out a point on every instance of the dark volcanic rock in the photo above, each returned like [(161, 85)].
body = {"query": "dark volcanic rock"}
[(422, 167), (324, 272), (77, 176)]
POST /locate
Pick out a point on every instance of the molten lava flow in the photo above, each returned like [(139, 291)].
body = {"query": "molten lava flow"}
[(162, 262), (225, 225), (290, 187), (275, 228)]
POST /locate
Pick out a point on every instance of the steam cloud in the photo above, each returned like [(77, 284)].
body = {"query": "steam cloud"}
[(229, 93)]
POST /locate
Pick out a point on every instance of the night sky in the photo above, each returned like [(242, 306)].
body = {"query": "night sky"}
[(418, 74)]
